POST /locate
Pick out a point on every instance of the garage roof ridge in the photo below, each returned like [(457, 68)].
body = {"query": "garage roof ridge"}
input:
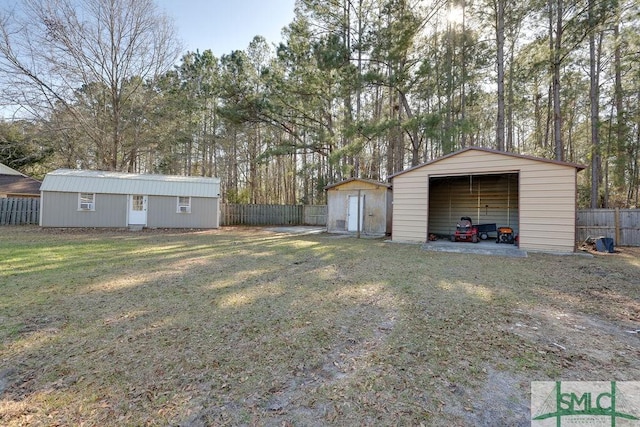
[(490, 150)]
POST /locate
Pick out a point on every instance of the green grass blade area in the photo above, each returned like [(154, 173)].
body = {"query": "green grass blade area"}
[(243, 326)]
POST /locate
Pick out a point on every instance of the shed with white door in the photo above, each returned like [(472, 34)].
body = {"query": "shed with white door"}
[(354, 198), (80, 198)]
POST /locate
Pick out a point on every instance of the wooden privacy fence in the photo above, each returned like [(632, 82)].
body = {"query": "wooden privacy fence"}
[(235, 214), (622, 225), (22, 211), (314, 215), (19, 211)]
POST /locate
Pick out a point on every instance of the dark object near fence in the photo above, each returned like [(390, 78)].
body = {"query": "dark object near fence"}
[(604, 244), (622, 225)]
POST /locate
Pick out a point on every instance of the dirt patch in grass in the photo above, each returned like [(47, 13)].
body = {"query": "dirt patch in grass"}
[(243, 326)]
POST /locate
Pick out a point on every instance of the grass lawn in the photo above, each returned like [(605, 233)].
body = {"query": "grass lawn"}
[(248, 327)]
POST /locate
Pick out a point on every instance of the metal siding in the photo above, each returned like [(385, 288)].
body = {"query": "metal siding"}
[(162, 213), (410, 205), (389, 222), (556, 194), (61, 210), (548, 209)]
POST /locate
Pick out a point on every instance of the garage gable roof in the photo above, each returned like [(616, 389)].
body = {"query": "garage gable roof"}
[(366, 181), (82, 181), (489, 150)]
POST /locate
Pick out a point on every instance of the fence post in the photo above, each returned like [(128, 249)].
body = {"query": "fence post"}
[(12, 215), (3, 203), (616, 221)]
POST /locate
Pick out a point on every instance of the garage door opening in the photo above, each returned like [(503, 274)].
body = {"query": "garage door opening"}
[(487, 199)]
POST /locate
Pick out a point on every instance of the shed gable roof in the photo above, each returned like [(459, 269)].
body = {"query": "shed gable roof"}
[(489, 150), (368, 182), (70, 180)]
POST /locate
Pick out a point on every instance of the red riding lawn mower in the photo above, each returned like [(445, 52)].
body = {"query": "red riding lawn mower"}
[(465, 231)]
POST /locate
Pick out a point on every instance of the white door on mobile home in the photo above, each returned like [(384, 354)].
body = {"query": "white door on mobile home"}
[(137, 209)]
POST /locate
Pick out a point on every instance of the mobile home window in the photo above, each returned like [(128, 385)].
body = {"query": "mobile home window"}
[(86, 202), (184, 204)]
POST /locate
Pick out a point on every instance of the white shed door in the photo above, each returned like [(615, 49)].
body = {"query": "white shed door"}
[(137, 209), (352, 213)]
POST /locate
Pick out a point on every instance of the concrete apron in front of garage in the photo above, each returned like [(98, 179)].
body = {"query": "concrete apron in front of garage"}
[(484, 247)]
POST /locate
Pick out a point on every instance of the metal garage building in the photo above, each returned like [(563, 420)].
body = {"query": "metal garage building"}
[(78, 198), (534, 196)]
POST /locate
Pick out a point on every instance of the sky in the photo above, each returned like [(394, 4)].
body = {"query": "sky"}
[(227, 25)]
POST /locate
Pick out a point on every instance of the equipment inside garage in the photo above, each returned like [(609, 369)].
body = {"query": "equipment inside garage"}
[(491, 201)]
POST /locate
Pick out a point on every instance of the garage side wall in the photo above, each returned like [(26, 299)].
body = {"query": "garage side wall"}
[(410, 206), (162, 212), (547, 197), (548, 208), (60, 209)]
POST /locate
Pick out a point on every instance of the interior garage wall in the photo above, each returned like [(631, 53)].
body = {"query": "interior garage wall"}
[(483, 198)]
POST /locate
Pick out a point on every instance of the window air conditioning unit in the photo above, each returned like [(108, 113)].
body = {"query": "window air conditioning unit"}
[(184, 209), (86, 206)]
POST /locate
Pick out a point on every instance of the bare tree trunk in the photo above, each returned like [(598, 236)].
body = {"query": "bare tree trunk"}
[(510, 101), (594, 99), (537, 112), (607, 155), (500, 59), (556, 62), (391, 132), (621, 129), (634, 152)]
